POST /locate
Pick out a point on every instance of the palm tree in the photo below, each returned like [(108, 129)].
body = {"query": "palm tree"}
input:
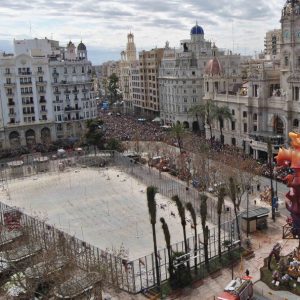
[(222, 113), (192, 212), (232, 193), (197, 111), (151, 192), (207, 111), (203, 213), (166, 231), (178, 132), (181, 212), (221, 196)]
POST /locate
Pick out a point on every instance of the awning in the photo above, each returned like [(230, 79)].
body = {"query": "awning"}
[(157, 119), (256, 213)]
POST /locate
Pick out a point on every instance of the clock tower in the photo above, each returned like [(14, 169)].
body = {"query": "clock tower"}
[(290, 49)]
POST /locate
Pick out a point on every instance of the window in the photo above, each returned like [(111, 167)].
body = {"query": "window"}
[(65, 70), (7, 70), (255, 128), (295, 123), (40, 69), (232, 125), (41, 79), (245, 127), (232, 112), (185, 100), (244, 114), (233, 141), (254, 117), (286, 61)]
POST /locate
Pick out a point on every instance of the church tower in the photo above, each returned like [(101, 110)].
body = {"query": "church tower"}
[(290, 49), (130, 49)]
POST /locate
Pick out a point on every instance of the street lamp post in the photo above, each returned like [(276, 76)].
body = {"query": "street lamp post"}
[(270, 156)]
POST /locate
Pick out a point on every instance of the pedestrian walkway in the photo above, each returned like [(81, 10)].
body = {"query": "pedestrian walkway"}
[(261, 289), (263, 242)]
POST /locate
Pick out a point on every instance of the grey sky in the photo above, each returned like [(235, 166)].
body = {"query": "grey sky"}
[(103, 25)]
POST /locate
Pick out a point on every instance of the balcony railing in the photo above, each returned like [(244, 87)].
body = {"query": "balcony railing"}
[(41, 82), (25, 73), (57, 92), (43, 101), (9, 84), (11, 103), (25, 82), (43, 111), (26, 93), (55, 74), (72, 108)]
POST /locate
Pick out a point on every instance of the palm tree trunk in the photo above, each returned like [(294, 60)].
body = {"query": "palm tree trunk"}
[(170, 262), (206, 233), (185, 246), (211, 135), (219, 237), (156, 256), (237, 223), (195, 249), (221, 131)]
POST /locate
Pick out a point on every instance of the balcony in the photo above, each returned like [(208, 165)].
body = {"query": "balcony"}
[(55, 74), (75, 91), (41, 91), (9, 84), (70, 108), (57, 92), (25, 73), (28, 103), (9, 93), (41, 82), (11, 114), (85, 90), (43, 111), (26, 93), (43, 101), (28, 113), (25, 82), (11, 103), (67, 92), (40, 72)]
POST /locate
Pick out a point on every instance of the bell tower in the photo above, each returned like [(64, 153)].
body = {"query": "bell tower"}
[(130, 49)]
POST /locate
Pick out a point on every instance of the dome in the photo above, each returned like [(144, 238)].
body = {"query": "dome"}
[(213, 67), (70, 44), (197, 30), (81, 47)]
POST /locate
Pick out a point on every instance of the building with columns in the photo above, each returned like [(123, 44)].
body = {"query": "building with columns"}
[(46, 93), (266, 105), (181, 77)]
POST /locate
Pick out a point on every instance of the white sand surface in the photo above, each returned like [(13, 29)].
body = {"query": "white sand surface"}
[(106, 208)]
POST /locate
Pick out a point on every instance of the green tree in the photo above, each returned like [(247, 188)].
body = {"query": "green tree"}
[(151, 192), (94, 135), (203, 214), (178, 131), (192, 212), (207, 112), (222, 113), (167, 235), (181, 212), (113, 86), (232, 194), (221, 196), (114, 144), (198, 112)]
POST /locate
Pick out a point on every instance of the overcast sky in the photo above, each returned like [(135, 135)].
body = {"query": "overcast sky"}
[(103, 25)]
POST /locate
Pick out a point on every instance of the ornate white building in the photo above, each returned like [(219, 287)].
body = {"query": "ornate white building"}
[(267, 105), (45, 92), (181, 76)]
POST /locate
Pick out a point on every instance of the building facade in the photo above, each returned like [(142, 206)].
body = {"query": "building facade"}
[(181, 77), (46, 93), (266, 106)]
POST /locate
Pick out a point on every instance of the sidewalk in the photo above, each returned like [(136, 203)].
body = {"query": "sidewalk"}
[(263, 243), (262, 289)]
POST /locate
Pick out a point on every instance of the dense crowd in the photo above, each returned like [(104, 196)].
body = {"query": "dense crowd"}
[(131, 128), (127, 128)]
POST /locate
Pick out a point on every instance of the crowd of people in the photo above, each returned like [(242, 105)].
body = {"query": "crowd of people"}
[(128, 128)]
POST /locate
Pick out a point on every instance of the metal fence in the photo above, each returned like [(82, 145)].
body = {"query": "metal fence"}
[(131, 276)]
